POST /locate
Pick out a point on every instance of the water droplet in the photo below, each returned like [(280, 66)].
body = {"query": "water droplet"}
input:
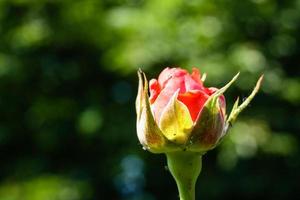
[(166, 168), (146, 148)]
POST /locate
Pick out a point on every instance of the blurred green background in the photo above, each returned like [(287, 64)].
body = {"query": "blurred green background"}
[(68, 85)]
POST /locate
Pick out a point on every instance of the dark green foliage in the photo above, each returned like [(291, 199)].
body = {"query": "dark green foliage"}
[(68, 84)]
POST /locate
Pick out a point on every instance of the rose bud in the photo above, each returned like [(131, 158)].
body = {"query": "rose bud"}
[(183, 119), (182, 114)]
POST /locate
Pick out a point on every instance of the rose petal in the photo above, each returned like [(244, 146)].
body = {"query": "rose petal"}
[(191, 84), (194, 100), (169, 73), (196, 75), (174, 84), (154, 90)]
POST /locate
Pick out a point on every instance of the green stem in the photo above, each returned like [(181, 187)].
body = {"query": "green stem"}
[(185, 167)]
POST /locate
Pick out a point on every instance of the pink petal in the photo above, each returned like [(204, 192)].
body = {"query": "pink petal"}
[(161, 101), (154, 90), (169, 73), (191, 84), (172, 85)]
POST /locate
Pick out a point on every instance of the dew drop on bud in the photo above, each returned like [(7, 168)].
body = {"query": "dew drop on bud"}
[(146, 148)]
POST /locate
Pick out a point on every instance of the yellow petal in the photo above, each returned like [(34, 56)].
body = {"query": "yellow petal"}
[(176, 122)]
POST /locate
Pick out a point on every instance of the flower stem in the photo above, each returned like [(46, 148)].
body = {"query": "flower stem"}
[(185, 167)]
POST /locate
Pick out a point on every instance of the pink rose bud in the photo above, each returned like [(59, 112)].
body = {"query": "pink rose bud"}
[(181, 113)]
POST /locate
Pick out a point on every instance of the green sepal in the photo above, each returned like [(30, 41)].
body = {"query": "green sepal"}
[(236, 110), (209, 126), (176, 122), (140, 95), (203, 77), (149, 134), (221, 91), (234, 107)]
